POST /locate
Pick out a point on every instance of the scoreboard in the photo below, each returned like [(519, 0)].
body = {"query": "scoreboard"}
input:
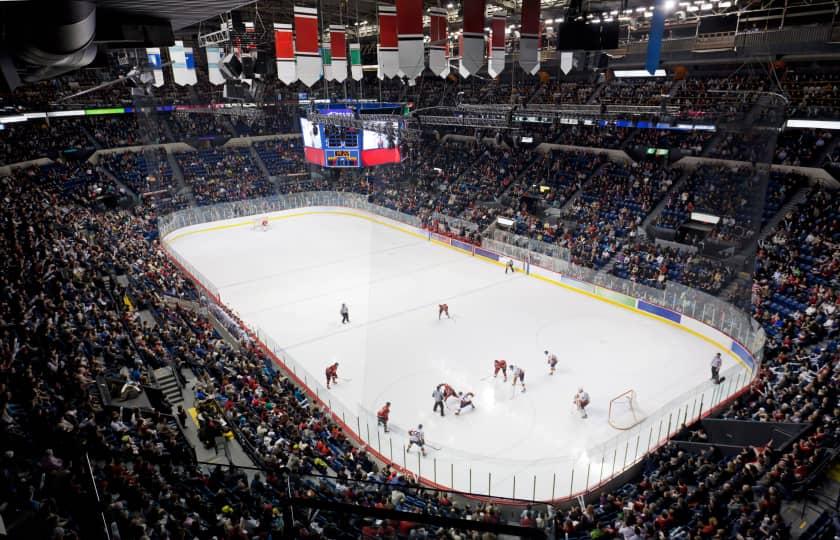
[(342, 158), (348, 147)]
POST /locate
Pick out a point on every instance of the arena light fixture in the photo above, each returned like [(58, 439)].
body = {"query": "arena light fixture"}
[(705, 218), (810, 124), (638, 73)]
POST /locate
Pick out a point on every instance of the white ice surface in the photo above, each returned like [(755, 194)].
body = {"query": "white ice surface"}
[(290, 281)]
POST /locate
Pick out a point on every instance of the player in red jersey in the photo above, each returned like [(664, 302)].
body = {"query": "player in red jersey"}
[(448, 391), (382, 415), (500, 365), (332, 374), (443, 309)]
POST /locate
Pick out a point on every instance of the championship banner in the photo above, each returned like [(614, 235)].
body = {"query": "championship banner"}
[(338, 51), (155, 62), (326, 62), (472, 51), (307, 54), (356, 61), (439, 46), (388, 59), (214, 56), (497, 45), (529, 34), (192, 78), (284, 52), (178, 58), (410, 37), (566, 62), (654, 48)]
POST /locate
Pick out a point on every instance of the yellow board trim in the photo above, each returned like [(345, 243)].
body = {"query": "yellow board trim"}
[(545, 279)]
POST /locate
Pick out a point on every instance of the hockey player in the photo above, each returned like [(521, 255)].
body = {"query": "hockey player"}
[(447, 390), (717, 361), (581, 401), (465, 401), (416, 436), (345, 313), (551, 359), (382, 415), (517, 374), (509, 266), (438, 397), (500, 365), (443, 309), (332, 374)]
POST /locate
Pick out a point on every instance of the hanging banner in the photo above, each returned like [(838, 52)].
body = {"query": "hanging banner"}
[(356, 61), (497, 45), (439, 45), (326, 62), (529, 33), (657, 28), (566, 62), (189, 56), (472, 52), (410, 37), (155, 62), (178, 59), (307, 55), (214, 74), (338, 51), (284, 52), (388, 59)]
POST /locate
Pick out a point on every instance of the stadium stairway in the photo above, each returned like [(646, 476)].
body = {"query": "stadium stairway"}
[(255, 156), (593, 97), (826, 151), (178, 175), (771, 224), (108, 174), (712, 143), (168, 384), (96, 144), (651, 217), (576, 195)]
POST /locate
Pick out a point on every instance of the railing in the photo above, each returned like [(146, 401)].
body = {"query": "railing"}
[(477, 474)]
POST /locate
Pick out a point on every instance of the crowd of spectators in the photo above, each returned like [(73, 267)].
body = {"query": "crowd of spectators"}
[(66, 322), (281, 156), (126, 130), (609, 136), (800, 147), (199, 125), (26, 141), (688, 142), (656, 266), (812, 95), (223, 174), (717, 190), (148, 175)]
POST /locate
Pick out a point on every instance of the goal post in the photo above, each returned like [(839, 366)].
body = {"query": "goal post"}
[(625, 412)]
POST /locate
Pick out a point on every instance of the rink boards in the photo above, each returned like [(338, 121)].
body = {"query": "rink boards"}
[(460, 468)]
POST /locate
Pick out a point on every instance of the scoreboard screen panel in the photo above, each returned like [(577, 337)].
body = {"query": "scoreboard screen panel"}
[(343, 158)]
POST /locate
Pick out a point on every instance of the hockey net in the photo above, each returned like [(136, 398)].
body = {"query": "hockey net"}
[(625, 412)]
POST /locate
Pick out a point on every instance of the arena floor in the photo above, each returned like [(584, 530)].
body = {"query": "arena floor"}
[(291, 279)]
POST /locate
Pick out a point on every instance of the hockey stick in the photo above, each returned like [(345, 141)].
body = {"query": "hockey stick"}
[(343, 379), (433, 447)]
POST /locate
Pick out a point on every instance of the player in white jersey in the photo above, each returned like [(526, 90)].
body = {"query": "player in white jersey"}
[(517, 374), (465, 400), (551, 359), (416, 436), (581, 401)]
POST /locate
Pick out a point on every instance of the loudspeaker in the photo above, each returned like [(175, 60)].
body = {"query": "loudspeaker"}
[(247, 67), (230, 66), (9, 78), (236, 22)]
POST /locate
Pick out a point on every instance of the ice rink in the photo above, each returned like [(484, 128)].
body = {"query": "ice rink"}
[(290, 281)]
